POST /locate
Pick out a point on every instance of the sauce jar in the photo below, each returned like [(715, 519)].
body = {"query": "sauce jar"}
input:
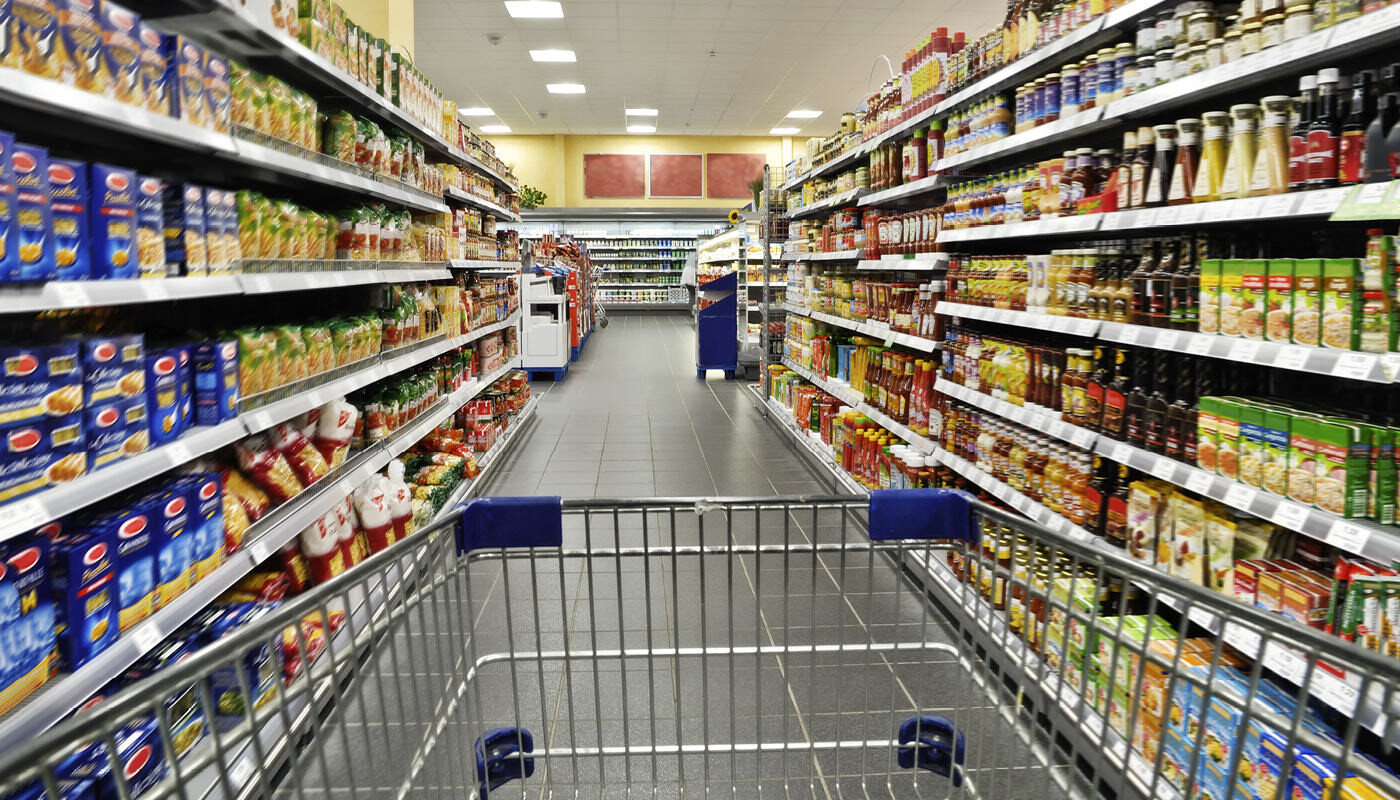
[(1201, 27), (1232, 48), (1251, 38), (1181, 61), (1123, 58), (1145, 69), (1052, 97), (1107, 71), (1069, 90), (1215, 53), (1146, 42), (1272, 34), (1164, 68), (1132, 78), (1196, 59), (1165, 37), (1298, 20)]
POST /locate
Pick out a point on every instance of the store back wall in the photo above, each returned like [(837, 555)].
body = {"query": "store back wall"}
[(554, 164)]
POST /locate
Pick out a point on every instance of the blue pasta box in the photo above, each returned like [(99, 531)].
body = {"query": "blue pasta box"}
[(35, 29), (233, 247), (152, 78), (174, 544), (217, 94), (185, 229), (184, 74), (34, 214), (68, 197), (27, 660), (163, 396), (85, 595), (259, 668), (182, 709), (150, 227), (106, 434), (215, 382), (185, 371), (79, 46), (113, 222), (142, 759), (132, 532), (206, 497), (24, 459), (121, 52), (113, 367), (39, 380), (9, 221), (9, 56)]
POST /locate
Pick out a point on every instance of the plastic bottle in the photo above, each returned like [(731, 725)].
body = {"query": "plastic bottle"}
[(939, 50)]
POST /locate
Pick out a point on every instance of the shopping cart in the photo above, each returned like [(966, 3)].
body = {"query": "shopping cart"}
[(911, 645)]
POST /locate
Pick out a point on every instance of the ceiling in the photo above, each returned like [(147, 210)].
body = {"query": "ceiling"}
[(712, 67)]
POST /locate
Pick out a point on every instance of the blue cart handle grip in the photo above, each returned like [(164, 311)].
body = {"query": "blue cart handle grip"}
[(492, 523), (922, 514)]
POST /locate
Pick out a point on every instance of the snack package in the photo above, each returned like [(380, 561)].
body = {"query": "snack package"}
[(320, 546), (293, 565), (305, 460), (400, 499), (236, 522), (265, 466), (334, 430), (376, 518), (253, 500)]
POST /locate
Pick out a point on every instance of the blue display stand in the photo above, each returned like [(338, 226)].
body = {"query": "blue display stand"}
[(717, 346)]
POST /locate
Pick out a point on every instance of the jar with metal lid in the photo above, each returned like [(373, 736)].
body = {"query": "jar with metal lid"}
[(1201, 27), (1069, 90), (1272, 33), (1346, 9), (1298, 21), (1181, 61), (1251, 38), (1249, 12), (1165, 36), (1196, 59), (1038, 105), (1165, 68), (1178, 23), (1107, 71), (1088, 82), (1132, 78), (1020, 108), (1052, 97), (1145, 68), (1267, 7), (1123, 58), (1232, 46), (1146, 36)]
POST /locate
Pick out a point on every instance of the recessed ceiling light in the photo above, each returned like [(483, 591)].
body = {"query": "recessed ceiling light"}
[(561, 56), (534, 9), (785, 131), (477, 111), (641, 112), (495, 129), (804, 113), (565, 88), (641, 129)]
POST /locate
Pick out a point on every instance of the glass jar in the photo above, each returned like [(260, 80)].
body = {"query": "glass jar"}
[(1345, 10), (1297, 21), (1123, 59), (1232, 46), (1267, 7), (1196, 59), (1272, 33), (1164, 66), (1145, 79), (1215, 53), (1251, 38), (1069, 90), (1107, 71), (1201, 27), (1165, 37), (1052, 97), (1181, 61), (1132, 77), (1146, 41)]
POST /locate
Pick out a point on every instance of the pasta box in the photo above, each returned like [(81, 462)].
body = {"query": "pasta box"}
[(204, 492), (182, 709), (185, 230), (131, 531), (140, 754), (85, 593), (217, 94), (68, 196), (174, 544), (9, 221), (34, 26), (26, 618), (9, 56), (110, 428), (185, 392), (150, 227), (113, 222), (215, 382), (184, 75), (121, 52), (163, 395), (40, 453), (39, 380), (34, 214), (113, 366), (152, 79), (79, 47)]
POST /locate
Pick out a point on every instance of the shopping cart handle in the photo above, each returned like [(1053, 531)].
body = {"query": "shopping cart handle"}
[(921, 514), (492, 523)]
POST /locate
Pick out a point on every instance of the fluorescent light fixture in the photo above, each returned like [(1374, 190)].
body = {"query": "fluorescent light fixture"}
[(785, 131), (803, 113), (565, 88), (477, 111), (495, 129), (534, 9), (641, 129), (560, 56), (641, 112)]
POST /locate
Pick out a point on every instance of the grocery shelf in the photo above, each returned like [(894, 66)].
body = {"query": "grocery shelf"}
[(317, 168), (873, 329), (620, 270), (911, 189), (29, 512), (834, 201), (476, 263), (1024, 319), (919, 262), (809, 441), (838, 255), (1362, 537), (622, 305), (622, 248), (635, 285), (1032, 417), (848, 157), (488, 460), (1084, 122), (856, 400), (632, 259), (463, 196), (1017, 230), (1036, 511)]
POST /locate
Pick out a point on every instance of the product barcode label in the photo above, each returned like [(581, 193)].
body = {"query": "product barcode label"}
[(1244, 349), (1199, 481), (1163, 469), (1291, 357), (1348, 536), (70, 295), (1240, 496), (1290, 515), (1200, 344), (1353, 365)]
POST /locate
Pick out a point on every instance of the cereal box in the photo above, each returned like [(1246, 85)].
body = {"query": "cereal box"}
[(32, 210), (184, 75), (9, 222), (216, 91), (150, 226), (68, 197), (1252, 300), (216, 382), (85, 593), (185, 232), (113, 366), (35, 26), (79, 47), (1341, 303), (1307, 301), (121, 53), (153, 81), (1343, 467), (1278, 301), (113, 211), (26, 618)]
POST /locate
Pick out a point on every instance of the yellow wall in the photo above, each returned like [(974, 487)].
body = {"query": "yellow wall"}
[(554, 164), (391, 20)]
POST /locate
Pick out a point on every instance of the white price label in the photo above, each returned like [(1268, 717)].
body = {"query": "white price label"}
[(1321, 201), (156, 290), (70, 295), (146, 636), (1056, 429), (1122, 453), (1390, 362), (1200, 344), (1199, 481), (1244, 349), (1129, 334), (241, 773), (179, 453), (1291, 357), (1348, 536), (1285, 662), (1244, 209), (1290, 515), (1240, 496), (1277, 206), (1166, 340), (259, 421), (338, 278), (1353, 365), (1246, 640), (1146, 218), (1140, 769), (1167, 216), (1334, 691), (889, 341), (22, 515), (1190, 215), (1371, 193), (1164, 469)]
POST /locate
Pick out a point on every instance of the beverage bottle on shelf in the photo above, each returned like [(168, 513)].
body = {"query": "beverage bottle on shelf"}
[(1094, 391), (1115, 394), (1377, 167), (1185, 290), (1141, 172), (1188, 155), (1135, 406), (1124, 169), (1181, 415), (1115, 518), (1298, 138), (1239, 164), (1272, 153), (1100, 287), (1210, 172), (1155, 414), (1324, 135), (1163, 165), (1360, 112), (1139, 284)]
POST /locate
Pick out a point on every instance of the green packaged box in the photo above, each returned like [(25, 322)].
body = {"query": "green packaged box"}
[(1278, 301), (1307, 300), (1341, 303), (1253, 301), (1380, 491), (1232, 301), (1227, 456), (1207, 434), (1302, 460), (1343, 467), (1277, 426), (1210, 296), (1251, 444)]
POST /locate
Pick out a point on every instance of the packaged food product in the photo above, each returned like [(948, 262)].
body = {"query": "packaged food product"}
[(1307, 301), (1302, 461), (78, 47), (1187, 557), (174, 542), (236, 522), (1220, 548), (216, 381), (114, 221), (217, 92), (152, 77), (185, 242), (26, 617), (266, 467), (215, 254), (1143, 502), (121, 53), (254, 501), (204, 492), (184, 74), (35, 24), (305, 460), (1341, 303), (334, 430), (132, 530), (339, 140), (33, 213), (68, 196), (320, 546), (150, 227), (9, 221), (243, 89), (82, 574), (375, 515), (1233, 304), (162, 396)]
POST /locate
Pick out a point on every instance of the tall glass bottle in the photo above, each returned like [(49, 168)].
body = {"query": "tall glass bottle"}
[(1324, 135), (1239, 169), (1188, 156), (1124, 169), (1298, 138), (1139, 278), (1210, 173), (1163, 165), (1155, 415), (1135, 413), (1115, 398), (1141, 173), (1186, 286), (1352, 151), (1159, 286)]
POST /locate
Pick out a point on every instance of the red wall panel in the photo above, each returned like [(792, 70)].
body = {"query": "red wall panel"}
[(677, 176), (728, 174), (614, 175)]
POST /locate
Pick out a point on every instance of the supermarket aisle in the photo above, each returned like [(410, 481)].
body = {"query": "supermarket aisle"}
[(632, 420)]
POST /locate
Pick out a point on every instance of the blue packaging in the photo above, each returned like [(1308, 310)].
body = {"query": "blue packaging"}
[(163, 396), (184, 75), (34, 214), (173, 542), (182, 707), (260, 667), (9, 222), (217, 93), (121, 52), (215, 382), (141, 755), (26, 619), (39, 453), (152, 77), (84, 591), (113, 367), (105, 427), (206, 497), (132, 530), (113, 210), (37, 381), (183, 205), (68, 197), (150, 227), (185, 373)]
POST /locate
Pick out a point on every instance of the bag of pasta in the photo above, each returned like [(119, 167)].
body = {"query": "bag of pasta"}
[(265, 466), (242, 90), (236, 522), (250, 498), (291, 354), (303, 457), (284, 229), (320, 353), (308, 125), (399, 154), (365, 135), (281, 111), (255, 372), (334, 431), (249, 224), (338, 141)]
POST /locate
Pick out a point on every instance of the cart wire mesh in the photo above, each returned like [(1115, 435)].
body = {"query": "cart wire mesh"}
[(807, 647)]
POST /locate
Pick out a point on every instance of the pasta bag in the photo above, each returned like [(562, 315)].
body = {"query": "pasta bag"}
[(351, 545), (400, 500), (320, 546), (372, 508), (334, 430), (253, 500), (305, 460), (265, 466)]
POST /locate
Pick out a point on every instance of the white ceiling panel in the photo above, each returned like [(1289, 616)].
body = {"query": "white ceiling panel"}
[(769, 57)]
